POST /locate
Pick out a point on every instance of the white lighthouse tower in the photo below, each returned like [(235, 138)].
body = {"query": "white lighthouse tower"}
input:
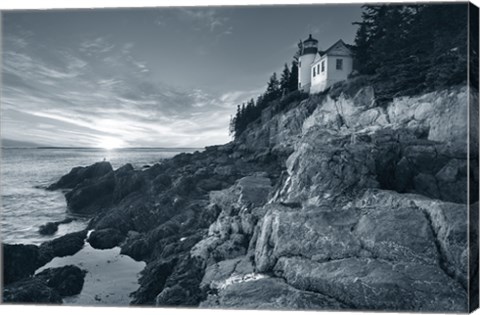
[(309, 52)]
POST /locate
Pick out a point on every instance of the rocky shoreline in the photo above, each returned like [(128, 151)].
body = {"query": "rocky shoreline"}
[(332, 202)]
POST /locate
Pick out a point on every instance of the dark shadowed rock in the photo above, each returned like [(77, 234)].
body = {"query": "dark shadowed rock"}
[(90, 196), (135, 246), (79, 174), (66, 245), (106, 238), (152, 281), (31, 291), (67, 280), (52, 227), (182, 286), (48, 229), (19, 261)]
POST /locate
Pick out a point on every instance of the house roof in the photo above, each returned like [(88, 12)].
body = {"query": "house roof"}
[(337, 49), (339, 45)]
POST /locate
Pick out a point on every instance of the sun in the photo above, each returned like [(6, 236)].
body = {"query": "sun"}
[(110, 143)]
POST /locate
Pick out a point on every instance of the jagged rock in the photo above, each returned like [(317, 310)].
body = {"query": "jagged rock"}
[(19, 261), (227, 234), (269, 293), (326, 165), (250, 191), (216, 275), (105, 239), (79, 174), (30, 291), (66, 281)]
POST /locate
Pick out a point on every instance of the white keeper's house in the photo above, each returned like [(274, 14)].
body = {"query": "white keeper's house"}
[(318, 70)]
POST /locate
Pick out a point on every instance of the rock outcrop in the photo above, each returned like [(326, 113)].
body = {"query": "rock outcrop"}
[(371, 210), (337, 201)]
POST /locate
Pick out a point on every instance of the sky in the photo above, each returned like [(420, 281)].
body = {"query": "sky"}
[(148, 77)]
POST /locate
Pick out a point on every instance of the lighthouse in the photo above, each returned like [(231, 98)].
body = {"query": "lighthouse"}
[(309, 52)]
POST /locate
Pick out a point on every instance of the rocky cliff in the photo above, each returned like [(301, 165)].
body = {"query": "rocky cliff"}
[(333, 202)]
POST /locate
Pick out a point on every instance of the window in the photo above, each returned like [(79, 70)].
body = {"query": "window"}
[(323, 66), (318, 68), (339, 64), (314, 71)]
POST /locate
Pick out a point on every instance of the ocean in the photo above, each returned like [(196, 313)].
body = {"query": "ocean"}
[(25, 204)]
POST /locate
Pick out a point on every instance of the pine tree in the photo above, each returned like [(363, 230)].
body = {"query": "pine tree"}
[(285, 79), (293, 82), (273, 88)]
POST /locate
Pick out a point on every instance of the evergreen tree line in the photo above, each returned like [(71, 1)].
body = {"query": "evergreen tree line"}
[(408, 49), (250, 111)]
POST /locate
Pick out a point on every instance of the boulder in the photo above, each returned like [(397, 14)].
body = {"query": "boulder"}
[(79, 174), (48, 229), (105, 238), (66, 245), (51, 228), (66, 281)]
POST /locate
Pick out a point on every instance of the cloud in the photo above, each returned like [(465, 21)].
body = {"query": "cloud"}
[(201, 20), (96, 46), (208, 18), (83, 96)]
